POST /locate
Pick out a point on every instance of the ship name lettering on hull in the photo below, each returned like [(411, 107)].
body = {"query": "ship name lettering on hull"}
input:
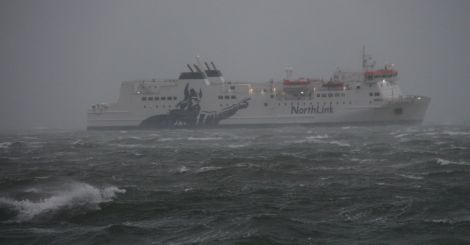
[(311, 109)]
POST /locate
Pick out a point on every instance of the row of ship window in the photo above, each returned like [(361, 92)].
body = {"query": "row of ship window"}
[(304, 103), (151, 98), (330, 95), (227, 97)]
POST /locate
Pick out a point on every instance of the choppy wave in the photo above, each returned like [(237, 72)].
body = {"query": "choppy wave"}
[(281, 185), (444, 162), (69, 196)]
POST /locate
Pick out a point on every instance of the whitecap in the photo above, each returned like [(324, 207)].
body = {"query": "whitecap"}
[(237, 145), (71, 195), (409, 176), (168, 139), (208, 168), (444, 162), (183, 169), (203, 138), (314, 137), (339, 143), (131, 146), (401, 135), (455, 133), (5, 145)]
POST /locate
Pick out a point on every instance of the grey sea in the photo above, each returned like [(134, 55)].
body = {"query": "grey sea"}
[(282, 185)]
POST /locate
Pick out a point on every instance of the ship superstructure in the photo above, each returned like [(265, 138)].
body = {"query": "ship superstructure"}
[(201, 97)]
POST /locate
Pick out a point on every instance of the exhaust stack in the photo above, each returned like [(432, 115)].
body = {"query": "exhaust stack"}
[(207, 65), (189, 67), (213, 65)]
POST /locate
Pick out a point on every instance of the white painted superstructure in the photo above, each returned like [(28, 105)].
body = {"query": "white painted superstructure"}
[(202, 98)]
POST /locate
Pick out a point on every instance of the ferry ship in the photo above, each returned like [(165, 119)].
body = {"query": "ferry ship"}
[(201, 97)]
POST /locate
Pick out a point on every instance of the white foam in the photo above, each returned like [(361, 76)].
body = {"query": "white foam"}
[(77, 142), (339, 143), (237, 145), (208, 168), (168, 139), (204, 138), (314, 137), (444, 162), (70, 196), (131, 146), (183, 169), (455, 133), (409, 176), (5, 145), (401, 135)]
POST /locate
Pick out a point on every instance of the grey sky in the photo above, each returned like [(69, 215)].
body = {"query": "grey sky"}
[(59, 57)]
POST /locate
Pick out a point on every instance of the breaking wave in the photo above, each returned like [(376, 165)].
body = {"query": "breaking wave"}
[(69, 196), (444, 162)]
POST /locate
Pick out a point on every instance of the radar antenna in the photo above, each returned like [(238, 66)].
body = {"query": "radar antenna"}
[(367, 61)]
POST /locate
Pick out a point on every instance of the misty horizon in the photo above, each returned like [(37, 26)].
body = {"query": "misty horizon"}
[(60, 57)]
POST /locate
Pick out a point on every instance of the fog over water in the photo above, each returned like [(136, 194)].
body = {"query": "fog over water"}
[(57, 58)]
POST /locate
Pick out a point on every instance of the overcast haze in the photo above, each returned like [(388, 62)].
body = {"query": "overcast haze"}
[(57, 58)]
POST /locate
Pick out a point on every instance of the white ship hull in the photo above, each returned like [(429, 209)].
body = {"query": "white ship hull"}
[(204, 99)]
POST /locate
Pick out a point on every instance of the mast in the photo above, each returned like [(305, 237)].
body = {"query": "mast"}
[(364, 58), (367, 62)]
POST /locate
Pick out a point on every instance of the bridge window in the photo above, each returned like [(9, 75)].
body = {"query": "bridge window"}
[(377, 94), (163, 98), (150, 98), (226, 97), (318, 95), (157, 98), (169, 98), (233, 97), (336, 94), (323, 95), (144, 98), (174, 98), (371, 94)]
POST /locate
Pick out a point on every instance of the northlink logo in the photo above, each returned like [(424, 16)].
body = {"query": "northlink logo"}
[(311, 109)]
